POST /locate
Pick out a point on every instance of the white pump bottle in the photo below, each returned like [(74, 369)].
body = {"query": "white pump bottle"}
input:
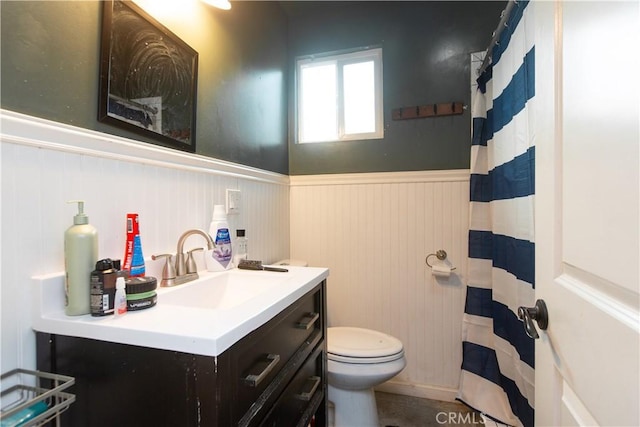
[(80, 256)]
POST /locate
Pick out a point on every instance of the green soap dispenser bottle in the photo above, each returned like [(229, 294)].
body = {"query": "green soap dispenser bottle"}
[(80, 256)]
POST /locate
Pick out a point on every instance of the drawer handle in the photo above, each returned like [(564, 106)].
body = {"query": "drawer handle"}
[(307, 321), (254, 380), (307, 395)]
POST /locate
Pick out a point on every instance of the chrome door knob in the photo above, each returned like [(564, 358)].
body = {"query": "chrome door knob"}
[(538, 313)]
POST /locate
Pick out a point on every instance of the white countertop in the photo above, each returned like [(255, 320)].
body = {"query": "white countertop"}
[(190, 328)]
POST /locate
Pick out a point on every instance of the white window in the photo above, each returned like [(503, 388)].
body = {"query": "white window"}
[(340, 96)]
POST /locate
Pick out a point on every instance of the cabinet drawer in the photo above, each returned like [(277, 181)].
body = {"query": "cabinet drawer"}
[(263, 354), (303, 395)]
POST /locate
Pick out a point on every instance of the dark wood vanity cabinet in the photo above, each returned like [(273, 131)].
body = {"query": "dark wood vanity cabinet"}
[(274, 376)]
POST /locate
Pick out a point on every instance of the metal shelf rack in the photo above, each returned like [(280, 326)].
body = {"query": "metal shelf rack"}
[(28, 390)]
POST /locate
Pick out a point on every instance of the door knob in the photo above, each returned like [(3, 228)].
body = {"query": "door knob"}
[(538, 313)]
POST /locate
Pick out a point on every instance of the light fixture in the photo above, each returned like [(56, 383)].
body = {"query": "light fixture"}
[(220, 4)]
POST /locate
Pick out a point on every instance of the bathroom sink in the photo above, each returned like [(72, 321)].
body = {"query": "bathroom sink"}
[(222, 292)]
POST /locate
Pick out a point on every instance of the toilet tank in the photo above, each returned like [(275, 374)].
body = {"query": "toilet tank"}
[(293, 262)]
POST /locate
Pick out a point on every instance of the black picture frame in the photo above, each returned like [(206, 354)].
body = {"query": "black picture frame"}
[(148, 77)]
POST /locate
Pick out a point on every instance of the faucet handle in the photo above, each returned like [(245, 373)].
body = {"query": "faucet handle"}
[(168, 271), (191, 262)]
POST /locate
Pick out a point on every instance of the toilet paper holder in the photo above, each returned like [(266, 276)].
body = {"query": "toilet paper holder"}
[(440, 254)]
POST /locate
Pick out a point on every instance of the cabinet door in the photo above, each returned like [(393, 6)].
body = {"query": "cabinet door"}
[(125, 385)]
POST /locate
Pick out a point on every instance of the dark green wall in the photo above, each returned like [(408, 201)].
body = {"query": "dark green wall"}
[(50, 69), (426, 60)]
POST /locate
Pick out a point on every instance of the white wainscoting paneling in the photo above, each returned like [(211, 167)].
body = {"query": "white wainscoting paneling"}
[(374, 232), (44, 164)]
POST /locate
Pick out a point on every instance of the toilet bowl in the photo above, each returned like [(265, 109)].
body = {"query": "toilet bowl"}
[(358, 360)]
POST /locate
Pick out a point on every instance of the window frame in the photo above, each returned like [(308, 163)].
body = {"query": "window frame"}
[(342, 59)]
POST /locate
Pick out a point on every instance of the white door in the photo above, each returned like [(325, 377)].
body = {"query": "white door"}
[(587, 214)]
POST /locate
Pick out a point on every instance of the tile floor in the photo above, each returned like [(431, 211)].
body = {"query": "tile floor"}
[(406, 411)]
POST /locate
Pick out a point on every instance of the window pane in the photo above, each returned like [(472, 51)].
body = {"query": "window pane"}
[(359, 98), (318, 107), (339, 96)]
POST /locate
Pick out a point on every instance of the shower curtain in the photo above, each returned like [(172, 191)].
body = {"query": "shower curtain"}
[(497, 376)]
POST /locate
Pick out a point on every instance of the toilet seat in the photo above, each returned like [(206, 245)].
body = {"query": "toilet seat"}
[(362, 346)]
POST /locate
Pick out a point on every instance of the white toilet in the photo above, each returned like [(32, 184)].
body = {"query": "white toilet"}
[(358, 360)]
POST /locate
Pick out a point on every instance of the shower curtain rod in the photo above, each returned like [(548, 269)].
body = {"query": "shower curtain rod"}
[(504, 16)]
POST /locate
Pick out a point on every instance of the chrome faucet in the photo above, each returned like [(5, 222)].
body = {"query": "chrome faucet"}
[(181, 266), (184, 271)]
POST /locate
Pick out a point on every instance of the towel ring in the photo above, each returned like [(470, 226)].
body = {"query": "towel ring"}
[(440, 254)]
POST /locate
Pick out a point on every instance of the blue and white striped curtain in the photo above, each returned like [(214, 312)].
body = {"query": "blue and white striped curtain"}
[(498, 357)]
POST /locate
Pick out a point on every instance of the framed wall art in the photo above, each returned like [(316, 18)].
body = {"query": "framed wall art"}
[(148, 77)]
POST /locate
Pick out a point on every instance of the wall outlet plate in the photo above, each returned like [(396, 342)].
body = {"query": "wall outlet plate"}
[(234, 201)]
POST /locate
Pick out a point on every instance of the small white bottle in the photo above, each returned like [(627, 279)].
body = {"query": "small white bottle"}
[(219, 258), (120, 300), (240, 251)]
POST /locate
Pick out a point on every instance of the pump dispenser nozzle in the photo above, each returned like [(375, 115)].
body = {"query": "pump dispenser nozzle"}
[(80, 218)]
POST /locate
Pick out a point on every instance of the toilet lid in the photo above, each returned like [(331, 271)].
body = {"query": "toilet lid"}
[(348, 343)]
